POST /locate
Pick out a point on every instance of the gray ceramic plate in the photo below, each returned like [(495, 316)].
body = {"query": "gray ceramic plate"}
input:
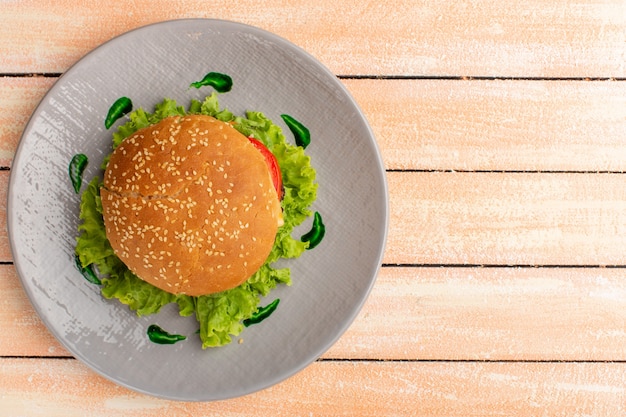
[(270, 75)]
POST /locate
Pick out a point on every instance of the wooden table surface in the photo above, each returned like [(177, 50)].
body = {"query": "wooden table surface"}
[(502, 126)]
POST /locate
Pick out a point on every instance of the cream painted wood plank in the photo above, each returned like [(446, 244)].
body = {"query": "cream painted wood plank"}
[(40, 387), (448, 124), (491, 314), (536, 38), (506, 218), (25, 333), (19, 97), (496, 125), (436, 314), (493, 218)]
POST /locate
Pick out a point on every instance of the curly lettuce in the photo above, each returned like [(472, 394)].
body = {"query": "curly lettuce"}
[(220, 315)]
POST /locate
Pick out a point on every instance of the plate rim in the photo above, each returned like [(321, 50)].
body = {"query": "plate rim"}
[(346, 321)]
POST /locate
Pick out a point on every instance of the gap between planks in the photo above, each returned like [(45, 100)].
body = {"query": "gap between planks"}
[(384, 77)]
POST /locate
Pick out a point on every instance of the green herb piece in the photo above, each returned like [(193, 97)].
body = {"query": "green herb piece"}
[(262, 313), (300, 133), (76, 169), (316, 234), (222, 83), (87, 272), (121, 106), (160, 336)]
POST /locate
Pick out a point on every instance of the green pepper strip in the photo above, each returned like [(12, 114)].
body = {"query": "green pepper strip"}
[(300, 133), (262, 313), (316, 234), (222, 83), (76, 169), (87, 272), (121, 106), (160, 336)]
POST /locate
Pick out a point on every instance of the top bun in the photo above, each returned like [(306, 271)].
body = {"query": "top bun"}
[(189, 205)]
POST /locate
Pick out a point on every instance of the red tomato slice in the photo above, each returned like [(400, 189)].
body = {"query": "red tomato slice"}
[(272, 165)]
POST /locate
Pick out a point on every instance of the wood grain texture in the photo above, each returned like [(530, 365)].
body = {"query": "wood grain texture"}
[(436, 314), (507, 197), (497, 125), (25, 334), (51, 388), (448, 124), (451, 218), (537, 38), (491, 314), (18, 99), (507, 219)]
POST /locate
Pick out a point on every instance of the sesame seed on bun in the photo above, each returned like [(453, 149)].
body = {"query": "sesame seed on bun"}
[(189, 205)]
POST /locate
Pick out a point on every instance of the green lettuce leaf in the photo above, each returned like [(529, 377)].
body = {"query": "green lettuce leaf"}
[(220, 315), (92, 246)]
